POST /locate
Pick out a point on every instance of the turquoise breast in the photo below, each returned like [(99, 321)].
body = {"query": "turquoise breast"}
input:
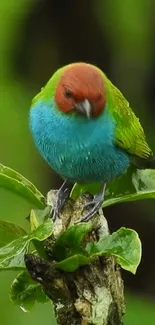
[(78, 149)]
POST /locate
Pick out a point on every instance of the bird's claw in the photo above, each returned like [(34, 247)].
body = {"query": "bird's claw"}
[(97, 204), (97, 198), (90, 214), (54, 213), (63, 194)]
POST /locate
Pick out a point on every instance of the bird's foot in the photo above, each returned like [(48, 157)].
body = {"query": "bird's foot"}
[(62, 196), (96, 203)]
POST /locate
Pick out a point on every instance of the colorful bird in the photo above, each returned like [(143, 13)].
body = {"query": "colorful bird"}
[(85, 129)]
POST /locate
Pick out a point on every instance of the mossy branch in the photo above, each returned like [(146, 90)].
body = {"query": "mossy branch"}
[(93, 294)]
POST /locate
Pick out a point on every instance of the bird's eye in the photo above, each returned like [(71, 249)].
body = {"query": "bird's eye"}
[(68, 93)]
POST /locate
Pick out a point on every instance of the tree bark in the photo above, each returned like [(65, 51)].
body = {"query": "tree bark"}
[(94, 294)]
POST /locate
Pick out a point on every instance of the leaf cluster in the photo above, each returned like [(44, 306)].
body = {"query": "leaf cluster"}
[(71, 250)]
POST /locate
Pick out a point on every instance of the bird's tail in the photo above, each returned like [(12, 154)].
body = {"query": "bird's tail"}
[(142, 163)]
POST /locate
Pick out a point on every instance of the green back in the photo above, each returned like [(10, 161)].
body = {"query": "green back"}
[(129, 132)]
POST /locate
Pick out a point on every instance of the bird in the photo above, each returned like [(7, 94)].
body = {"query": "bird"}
[(86, 131)]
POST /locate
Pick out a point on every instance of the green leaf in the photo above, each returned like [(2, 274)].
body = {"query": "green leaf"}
[(124, 244), (13, 181), (37, 217), (12, 254), (9, 231), (25, 292), (71, 264), (69, 242), (134, 185)]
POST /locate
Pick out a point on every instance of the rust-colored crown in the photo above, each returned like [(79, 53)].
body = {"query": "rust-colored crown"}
[(78, 82)]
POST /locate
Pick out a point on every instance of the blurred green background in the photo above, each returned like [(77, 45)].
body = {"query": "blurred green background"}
[(38, 37)]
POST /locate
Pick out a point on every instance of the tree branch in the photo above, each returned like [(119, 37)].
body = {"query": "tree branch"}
[(91, 295)]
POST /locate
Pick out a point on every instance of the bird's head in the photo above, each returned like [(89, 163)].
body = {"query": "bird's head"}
[(80, 88)]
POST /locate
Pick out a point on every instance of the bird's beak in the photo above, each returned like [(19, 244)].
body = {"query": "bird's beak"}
[(84, 108)]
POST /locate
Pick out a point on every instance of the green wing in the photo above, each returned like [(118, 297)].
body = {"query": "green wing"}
[(129, 132)]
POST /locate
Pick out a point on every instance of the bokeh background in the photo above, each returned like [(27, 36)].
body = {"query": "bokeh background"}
[(38, 37)]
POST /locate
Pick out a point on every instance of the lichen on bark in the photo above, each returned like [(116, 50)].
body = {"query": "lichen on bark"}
[(94, 293)]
